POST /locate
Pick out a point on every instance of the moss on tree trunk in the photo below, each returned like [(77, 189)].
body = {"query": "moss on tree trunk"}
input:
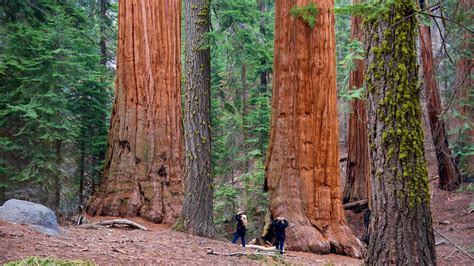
[(400, 229), (197, 214)]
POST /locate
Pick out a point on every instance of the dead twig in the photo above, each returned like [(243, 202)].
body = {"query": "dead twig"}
[(445, 237), (119, 250), (237, 254)]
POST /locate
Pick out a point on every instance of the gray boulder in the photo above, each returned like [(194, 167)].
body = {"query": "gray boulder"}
[(37, 216)]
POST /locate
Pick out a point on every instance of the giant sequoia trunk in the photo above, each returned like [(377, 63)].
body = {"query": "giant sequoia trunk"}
[(197, 216), (142, 176), (302, 170), (357, 178), (400, 228), (449, 177)]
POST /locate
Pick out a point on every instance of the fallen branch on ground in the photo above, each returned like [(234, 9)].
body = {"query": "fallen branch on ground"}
[(260, 247), (355, 204), (115, 222), (239, 254), (445, 237)]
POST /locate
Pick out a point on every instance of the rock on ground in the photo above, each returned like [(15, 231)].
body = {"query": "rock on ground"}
[(37, 216)]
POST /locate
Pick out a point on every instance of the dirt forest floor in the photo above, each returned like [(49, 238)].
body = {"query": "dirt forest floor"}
[(107, 246), (124, 246)]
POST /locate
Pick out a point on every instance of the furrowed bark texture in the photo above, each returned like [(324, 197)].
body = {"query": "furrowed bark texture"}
[(197, 216), (357, 175), (302, 170), (400, 228), (449, 176), (142, 176)]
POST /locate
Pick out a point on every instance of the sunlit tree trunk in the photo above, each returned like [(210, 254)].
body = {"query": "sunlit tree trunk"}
[(197, 216), (357, 177), (449, 177), (142, 176), (400, 228), (302, 170)]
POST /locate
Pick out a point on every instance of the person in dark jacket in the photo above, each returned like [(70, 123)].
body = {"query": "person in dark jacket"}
[(279, 225), (241, 219)]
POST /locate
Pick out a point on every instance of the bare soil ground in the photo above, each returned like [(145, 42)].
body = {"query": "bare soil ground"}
[(127, 246), (451, 217), (124, 246)]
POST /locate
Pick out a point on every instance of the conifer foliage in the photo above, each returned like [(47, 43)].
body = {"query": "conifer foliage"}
[(53, 96)]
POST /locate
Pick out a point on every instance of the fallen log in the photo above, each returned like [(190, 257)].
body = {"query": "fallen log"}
[(113, 223), (257, 247), (122, 222), (355, 204), (239, 254)]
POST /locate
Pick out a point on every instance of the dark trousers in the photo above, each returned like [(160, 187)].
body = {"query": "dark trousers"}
[(238, 235), (279, 243)]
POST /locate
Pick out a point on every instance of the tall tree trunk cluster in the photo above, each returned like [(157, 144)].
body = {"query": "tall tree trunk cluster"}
[(302, 169), (143, 172), (449, 176), (197, 213), (357, 178), (400, 229)]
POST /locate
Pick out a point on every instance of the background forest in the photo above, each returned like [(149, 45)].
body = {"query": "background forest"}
[(57, 67)]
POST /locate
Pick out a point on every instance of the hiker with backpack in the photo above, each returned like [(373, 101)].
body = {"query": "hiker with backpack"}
[(279, 225), (241, 219)]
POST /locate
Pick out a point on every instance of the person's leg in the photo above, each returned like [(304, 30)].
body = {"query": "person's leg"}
[(236, 236), (282, 244), (243, 240)]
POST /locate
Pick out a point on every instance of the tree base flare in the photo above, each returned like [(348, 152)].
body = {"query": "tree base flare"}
[(183, 225), (331, 239)]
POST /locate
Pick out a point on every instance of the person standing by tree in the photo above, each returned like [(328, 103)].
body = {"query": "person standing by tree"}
[(241, 219), (279, 225)]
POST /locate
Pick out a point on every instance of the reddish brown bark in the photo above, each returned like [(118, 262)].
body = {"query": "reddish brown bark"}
[(463, 85), (449, 177), (302, 170), (142, 176), (356, 186)]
